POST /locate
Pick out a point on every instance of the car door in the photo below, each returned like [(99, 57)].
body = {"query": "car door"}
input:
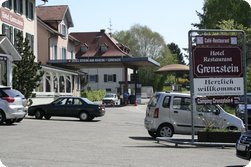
[(208, 116), (181, 113), (58, 107), (73, 107)]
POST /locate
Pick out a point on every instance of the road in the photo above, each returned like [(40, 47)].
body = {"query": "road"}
[(116, 140)]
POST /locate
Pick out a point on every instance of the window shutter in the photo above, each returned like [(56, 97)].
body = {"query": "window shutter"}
[(27, 8), (105, 78), (21, 7), (114, 78), (97, 78), (15, 5)]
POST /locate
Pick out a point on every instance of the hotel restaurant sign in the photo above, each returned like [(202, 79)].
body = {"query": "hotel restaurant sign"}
[(11, 18), (217, 69)]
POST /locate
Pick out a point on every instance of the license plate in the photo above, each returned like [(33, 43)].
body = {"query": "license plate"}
[(241, 147)]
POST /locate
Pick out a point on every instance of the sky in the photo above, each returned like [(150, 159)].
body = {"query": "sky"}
[(170, 18)]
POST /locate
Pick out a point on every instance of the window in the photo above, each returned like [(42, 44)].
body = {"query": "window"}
[(181, 103), (77, 102), (8, 31), (110, 78), (63, 29), (31, 40), (29, 9), (93, 78), (166, 102), (8, 4), (18, 6), (16, 31), (48, 84), (63, 53), (108, 90), (72, 54), (55, 52)]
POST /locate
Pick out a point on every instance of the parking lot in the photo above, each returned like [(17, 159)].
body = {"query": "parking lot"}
[(116, 140)]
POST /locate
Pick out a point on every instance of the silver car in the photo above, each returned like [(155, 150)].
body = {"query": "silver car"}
[(12, 105)]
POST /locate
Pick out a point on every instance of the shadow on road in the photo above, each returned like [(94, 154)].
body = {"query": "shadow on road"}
[(61, 119), (141, 138)]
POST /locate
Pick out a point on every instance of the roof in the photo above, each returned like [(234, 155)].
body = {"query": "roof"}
[(173, 67), (7, 47), (54, 13), (93, 42)]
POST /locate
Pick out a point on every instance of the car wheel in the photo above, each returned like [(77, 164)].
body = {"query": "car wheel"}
[(2, 117), (39, 114), (84, 116), (9, 121), (47, 116), (152, 134), (165, 130)]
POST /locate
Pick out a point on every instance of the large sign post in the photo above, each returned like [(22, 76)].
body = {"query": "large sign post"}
[(217, 66)]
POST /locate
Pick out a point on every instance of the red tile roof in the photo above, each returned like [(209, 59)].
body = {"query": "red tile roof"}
[(94, 40), (54, 13)]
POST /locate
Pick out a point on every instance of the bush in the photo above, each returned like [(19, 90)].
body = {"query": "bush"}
[(93, 95)]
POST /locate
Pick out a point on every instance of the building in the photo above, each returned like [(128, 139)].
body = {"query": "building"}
[(15, 16), (55, 43), (107, 63)]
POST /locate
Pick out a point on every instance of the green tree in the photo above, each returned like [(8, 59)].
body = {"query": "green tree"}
[(215, 11), (26, 73), (177, 52), (143, 42)]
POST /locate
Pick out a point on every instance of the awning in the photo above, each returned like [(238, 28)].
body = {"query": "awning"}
[(130, 62), (7, 47)]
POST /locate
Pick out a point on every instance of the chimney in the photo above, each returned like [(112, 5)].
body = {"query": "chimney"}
[(102, 31)]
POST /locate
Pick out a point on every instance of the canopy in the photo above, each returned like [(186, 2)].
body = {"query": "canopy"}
[(173, 68)]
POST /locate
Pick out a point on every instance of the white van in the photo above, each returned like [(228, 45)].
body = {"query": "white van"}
[(170, 112)]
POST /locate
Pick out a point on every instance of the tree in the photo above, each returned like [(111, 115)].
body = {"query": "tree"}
[(177, 52), (26, 73), (215, 11), (143, 42)]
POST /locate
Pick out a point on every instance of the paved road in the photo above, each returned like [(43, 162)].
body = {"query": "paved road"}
[(116, 140)]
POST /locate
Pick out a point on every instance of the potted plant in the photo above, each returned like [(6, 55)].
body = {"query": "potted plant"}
[(215, 132)]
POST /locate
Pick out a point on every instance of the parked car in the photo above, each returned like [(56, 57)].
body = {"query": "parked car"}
[(111, 99), (240, 109), (78, 107), (243, 146), (12, 105), (169, 112)]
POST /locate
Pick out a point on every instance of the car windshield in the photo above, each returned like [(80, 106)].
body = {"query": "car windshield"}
[(153, 101), (13, 93), (109, 95)]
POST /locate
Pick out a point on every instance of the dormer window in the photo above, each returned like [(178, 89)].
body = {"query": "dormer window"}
[(103, 48), (63, 30), (84, 48)]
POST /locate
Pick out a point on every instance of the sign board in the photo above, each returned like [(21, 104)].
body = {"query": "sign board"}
[(218, 100), (218, 86), (216, 40), (217, 62), (217, 66)]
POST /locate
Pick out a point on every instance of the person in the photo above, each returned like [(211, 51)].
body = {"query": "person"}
[(125, 97)]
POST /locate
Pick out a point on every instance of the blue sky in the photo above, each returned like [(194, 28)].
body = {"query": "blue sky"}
[(170, 18)]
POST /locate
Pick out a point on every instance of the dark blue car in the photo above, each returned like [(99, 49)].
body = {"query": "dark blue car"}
[(78, 107)]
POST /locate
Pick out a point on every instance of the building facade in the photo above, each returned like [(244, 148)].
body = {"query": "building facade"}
[(55, 43), (15, 16)]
